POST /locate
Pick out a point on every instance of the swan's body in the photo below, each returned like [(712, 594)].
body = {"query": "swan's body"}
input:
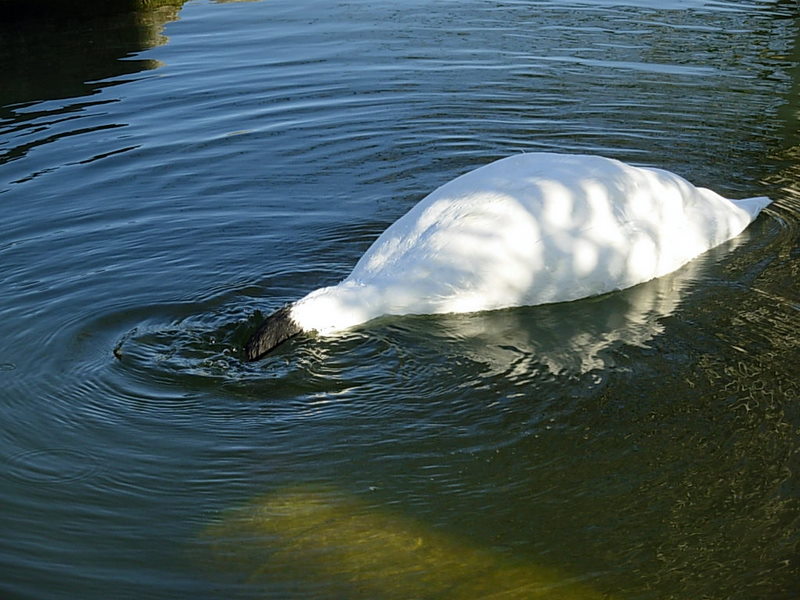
[(528, 229)]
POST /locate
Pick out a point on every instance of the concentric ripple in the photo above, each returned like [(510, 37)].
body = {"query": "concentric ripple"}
[(50, 466), (161, 191)]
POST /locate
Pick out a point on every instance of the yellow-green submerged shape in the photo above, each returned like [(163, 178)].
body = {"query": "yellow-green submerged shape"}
[(345, 547)]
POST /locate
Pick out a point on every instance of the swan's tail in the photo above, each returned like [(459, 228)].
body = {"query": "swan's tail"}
[(753, 205)]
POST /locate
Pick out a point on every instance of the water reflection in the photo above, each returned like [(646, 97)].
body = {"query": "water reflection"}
[(570, 338), (678, 472), (55, 55)]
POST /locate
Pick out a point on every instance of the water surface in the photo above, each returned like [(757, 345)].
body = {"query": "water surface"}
[(165, 175)]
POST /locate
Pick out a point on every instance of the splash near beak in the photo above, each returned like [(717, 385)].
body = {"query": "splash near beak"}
[(276, 329)]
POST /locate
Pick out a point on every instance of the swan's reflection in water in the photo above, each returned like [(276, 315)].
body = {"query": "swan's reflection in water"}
[(571, 338)]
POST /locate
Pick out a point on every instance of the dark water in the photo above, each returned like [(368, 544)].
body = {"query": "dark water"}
[(157, 188)]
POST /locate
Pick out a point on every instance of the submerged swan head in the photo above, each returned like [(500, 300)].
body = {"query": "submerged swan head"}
[(326, 311), (276, 329)]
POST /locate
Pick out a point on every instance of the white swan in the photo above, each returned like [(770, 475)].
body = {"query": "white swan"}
[(528, 229)]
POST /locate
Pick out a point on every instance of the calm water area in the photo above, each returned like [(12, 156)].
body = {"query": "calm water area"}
[(169, 175)]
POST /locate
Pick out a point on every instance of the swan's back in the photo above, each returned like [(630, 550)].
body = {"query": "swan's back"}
[(529, 229), (536, 228)]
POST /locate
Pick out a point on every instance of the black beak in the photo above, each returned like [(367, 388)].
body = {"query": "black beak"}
[(276, 329)]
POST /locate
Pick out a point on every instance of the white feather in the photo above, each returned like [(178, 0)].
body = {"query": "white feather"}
[(529, 229)]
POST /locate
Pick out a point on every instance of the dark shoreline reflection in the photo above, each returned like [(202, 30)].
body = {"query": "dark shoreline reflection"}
[(62, 50)]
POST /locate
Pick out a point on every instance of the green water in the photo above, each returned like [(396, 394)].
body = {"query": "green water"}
[(166, 174)]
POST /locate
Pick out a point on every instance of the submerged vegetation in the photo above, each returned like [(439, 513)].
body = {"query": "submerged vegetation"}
[(319, 534)]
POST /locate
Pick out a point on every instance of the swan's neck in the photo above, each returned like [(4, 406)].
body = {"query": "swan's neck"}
[(332, 309)]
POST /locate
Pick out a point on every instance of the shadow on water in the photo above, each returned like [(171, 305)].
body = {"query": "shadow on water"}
[(57, 57), (51, 50), (68, 53)]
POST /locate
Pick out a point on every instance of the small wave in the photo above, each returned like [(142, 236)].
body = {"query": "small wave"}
[(50, 466)]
